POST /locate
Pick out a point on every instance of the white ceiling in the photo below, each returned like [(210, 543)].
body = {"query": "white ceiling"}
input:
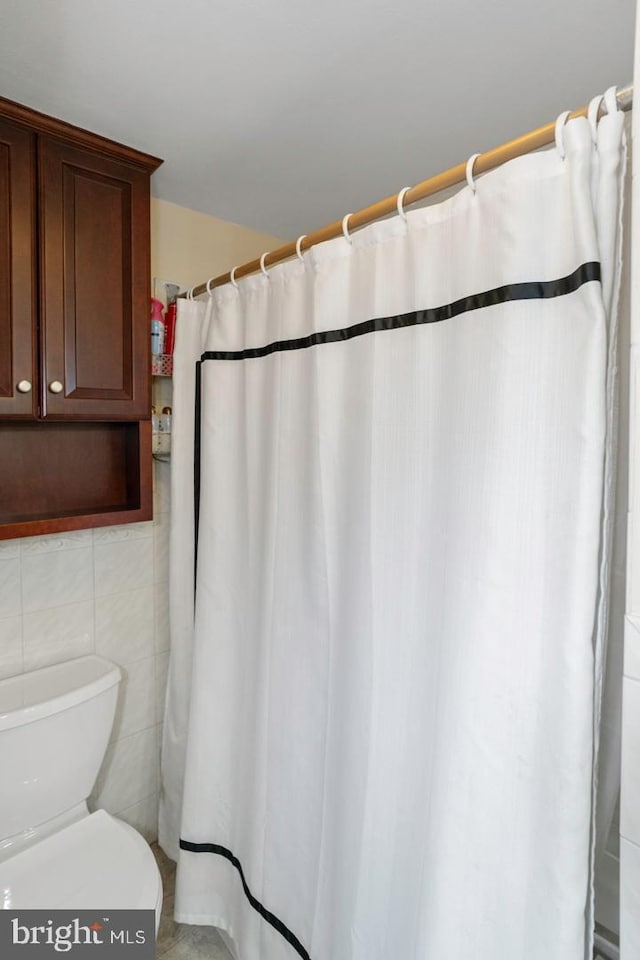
[(284, 115)]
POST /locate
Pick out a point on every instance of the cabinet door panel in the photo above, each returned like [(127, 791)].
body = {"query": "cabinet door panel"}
[(94, 305), (17, 271)]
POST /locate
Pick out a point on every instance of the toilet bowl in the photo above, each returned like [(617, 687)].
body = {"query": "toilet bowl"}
[(54, 729)]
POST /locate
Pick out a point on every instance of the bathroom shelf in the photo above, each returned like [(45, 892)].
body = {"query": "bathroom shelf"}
[(162, 365), (97, 474)]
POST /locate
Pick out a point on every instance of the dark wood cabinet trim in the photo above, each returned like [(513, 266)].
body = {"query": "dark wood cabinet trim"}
[(18, 270), (40, 123)]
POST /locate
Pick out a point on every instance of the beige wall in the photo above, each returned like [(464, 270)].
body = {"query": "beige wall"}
[(188, 247)]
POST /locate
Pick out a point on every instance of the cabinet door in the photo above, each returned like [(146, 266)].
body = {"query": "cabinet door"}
[(17, 272), (94, 304)]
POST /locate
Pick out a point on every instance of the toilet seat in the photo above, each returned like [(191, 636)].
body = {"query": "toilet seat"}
[(97, 862)]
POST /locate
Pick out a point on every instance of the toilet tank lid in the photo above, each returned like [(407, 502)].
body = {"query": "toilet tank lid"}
[(40, 693)]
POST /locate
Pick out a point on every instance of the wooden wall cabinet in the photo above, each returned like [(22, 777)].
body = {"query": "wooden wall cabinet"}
[(75, 439), (18, 281)]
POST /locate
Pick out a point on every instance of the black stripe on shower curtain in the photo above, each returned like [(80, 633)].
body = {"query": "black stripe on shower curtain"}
[(534, 290), (264, 913)]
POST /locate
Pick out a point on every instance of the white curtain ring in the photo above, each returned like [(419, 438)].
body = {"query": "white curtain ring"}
[(560, 122), (345, 221), (469, 171), (593, 112), (209, 290), (299, 246), (190, 293), (400, 203), (610, 100), (232, 278), (262, 266)]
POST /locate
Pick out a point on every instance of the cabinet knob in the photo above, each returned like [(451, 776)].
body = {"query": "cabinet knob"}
[(55, 386), (24, 386)]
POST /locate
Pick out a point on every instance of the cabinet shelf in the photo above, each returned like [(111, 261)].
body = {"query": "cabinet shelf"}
[(66, 475)]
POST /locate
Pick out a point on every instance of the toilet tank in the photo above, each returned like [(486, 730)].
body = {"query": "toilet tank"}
[(54, 730)]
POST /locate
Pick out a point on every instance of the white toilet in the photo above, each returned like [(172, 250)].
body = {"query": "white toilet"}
[(54, 730)]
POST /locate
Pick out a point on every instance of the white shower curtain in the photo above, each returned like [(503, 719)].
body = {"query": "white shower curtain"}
[(379, 735)]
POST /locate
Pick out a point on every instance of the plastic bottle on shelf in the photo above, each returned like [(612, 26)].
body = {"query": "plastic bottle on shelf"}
[(155, 431), (157, 327), (165, 430), (170, 327)]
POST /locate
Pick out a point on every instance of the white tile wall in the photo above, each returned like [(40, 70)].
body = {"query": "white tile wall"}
[(129, 772), (10, 587), (123, 565), (55, 578), (124, 629), (102, 591), (143, 815), (11, 655), (57, 633), (137, 699)]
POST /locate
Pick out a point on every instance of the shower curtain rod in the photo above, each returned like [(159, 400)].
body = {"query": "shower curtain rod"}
[(541, 137)]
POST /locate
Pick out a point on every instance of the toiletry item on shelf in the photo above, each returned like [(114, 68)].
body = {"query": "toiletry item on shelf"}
[(156, 436), (165, 422), (161, 429), (157, 327), (170, 327)]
